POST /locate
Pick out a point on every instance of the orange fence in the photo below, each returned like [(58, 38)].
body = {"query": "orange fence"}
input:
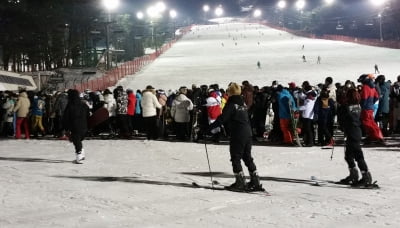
[(395, 44), (111, 77)]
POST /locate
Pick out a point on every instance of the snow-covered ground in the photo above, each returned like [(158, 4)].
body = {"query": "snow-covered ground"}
[(140, 183)]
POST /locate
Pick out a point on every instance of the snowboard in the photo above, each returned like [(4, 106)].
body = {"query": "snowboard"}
[(98, 117), (219, 187)]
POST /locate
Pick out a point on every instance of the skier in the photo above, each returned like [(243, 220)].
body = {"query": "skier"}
[(350, 121), (258, 64), (319, 60), (75, 119), (376, 69), (235, 117), (304, 58)]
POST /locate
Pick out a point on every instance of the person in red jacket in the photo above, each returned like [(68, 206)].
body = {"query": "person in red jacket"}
[(131, 108), (369, 96)]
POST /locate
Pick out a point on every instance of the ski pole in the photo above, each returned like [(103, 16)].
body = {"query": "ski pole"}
[(208, 161)]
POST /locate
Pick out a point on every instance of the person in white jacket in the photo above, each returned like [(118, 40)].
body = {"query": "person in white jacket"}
[(150, 105), (111, 105), (180, 112), (308, 116)]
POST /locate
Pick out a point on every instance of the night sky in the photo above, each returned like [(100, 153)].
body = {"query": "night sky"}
[(193, 8)]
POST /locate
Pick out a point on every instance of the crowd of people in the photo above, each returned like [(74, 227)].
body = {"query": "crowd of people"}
[(370, 107), (165, 114)]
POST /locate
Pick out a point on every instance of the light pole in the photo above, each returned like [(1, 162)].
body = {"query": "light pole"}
[(380, 27), (110, 5), (173, 14), (219, 11), (206, 8), (282, 6)]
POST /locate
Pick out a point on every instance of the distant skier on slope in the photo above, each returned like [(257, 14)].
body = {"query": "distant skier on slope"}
[(258, 64)]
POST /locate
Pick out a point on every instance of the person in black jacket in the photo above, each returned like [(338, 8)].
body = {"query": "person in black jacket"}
[(351, 124), (235, 117), (75, 119)]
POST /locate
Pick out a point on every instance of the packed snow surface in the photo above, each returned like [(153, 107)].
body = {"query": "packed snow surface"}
[(229, 52), (140, 183)]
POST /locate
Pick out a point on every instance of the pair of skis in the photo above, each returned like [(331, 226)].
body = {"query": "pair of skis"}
[(326, 183), (219, 187)]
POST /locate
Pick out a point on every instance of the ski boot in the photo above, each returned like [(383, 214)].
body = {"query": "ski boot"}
[(240, 183), (365, 181), (254, 184), (352, 178), (80, 156)]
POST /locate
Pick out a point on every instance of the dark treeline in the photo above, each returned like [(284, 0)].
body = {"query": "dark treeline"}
[(48, 34)]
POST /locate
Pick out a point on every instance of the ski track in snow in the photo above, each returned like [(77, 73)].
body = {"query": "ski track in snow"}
[(140, 183)]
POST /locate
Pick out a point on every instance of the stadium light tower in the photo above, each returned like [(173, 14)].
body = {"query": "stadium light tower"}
[(282, 4), (329, 2), (172, 15), (257, 13), (378, 2), (140, 15), (300, 4), (219, 11), (206, 8), (110, 5), (380, 27)]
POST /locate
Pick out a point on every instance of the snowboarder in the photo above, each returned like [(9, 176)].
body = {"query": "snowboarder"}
[(235, 118), (75, 121), (350, 121), (376, 69)]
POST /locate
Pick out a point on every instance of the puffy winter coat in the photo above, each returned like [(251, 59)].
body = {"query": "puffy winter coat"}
[(60, 104), (236, 118), (180, 109), (131, 104), (383, 91), (308, 107), (122, 102), (38, 106), (110, 104), (76, 114), (213, 107), (149, 103), (369, 95), (138, 109), (285, 99), (22, 106)]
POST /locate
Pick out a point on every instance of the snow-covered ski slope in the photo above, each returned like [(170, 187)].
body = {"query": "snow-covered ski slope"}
[(229, 52)]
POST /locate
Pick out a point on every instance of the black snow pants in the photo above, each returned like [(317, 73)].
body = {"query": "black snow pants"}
[(240, 149)]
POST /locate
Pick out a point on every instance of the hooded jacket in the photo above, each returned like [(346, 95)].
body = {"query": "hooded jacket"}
[(149, 103), (76, 114), (236, 118), (180, 109), (22, 106), (131, 104), (110, 104), (369, 95), (285, 99)]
